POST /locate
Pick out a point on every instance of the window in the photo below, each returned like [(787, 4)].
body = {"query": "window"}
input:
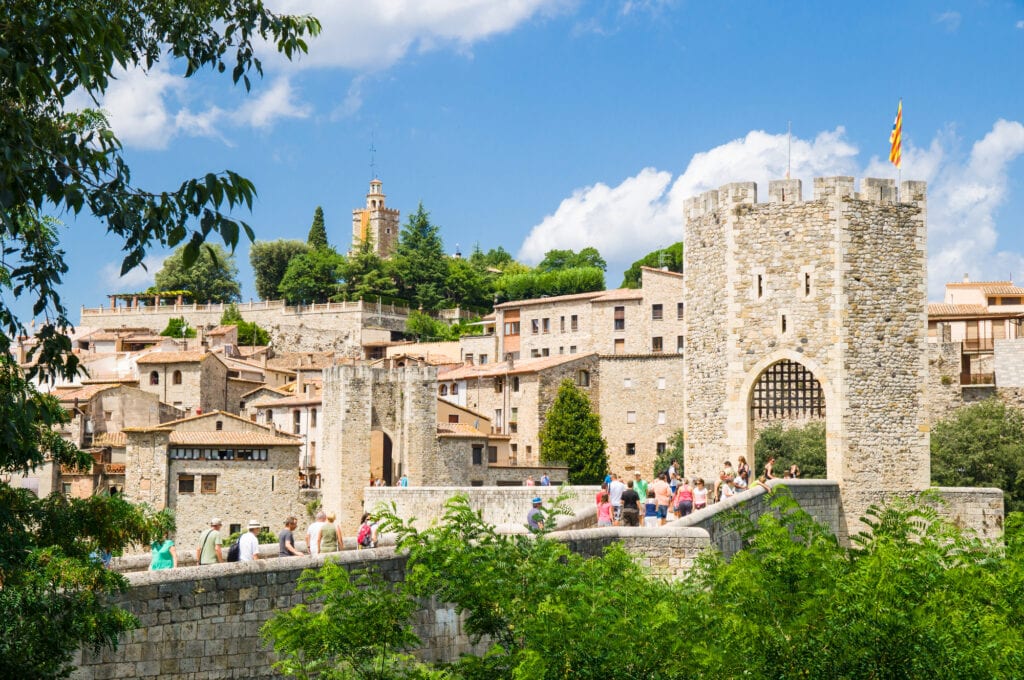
[(583, 378), (66, 488), (455, 389), (515, 383), (760, 286), (545, 325), (656, 312), (534, 353), (186, 484), (631, 417), (453, 417), (545, 352), (296, 421), (312, 417), (574, 323), (561, 324), (478, 454), (483, 359), (1009, 301), (620, 319), (992, 301), (627, 383), (209, 484), (680, 344), (443, 390), (572, 349), (469, 358), (176, 377), (498, 422), (630, 449), (219, 425), (535, 326), (620, 346), (154, 378), (783, 325), (656, 346), (680, 308), (492, 454), (234, 529), (511, 328), (807, 284), (661, 383), (661, 418), (270, 416), (513, 416), (499, 384), (660, 447)]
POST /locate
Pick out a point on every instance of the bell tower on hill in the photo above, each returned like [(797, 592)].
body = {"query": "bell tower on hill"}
[(376, 222)]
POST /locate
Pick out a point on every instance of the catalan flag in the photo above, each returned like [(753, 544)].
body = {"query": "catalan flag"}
[(896, 138)]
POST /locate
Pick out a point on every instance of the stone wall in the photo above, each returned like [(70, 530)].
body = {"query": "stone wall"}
[(641, 403), (975, 509), (837, 285), (1009, 362), (818, 497), (943, 393), (503, 506)]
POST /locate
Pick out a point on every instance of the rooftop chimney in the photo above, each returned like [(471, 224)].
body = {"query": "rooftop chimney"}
[(967, 278)]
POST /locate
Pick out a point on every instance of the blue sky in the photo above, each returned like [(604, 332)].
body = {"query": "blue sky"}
[(535, 125)]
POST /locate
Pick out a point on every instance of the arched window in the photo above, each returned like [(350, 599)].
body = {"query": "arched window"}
[(154, 378), (444, 390), (455, 388), (219, 425), (270, 416), (176, 378)]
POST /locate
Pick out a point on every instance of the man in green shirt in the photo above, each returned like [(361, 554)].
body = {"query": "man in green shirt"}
[(640, 486), (209, 551)]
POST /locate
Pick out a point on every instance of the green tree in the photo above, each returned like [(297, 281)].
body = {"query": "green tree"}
[(555, 260), (671, 257), (211, 277), (802, 446), (366, 274), (71, 161), (571, 434), (495, 258), (177, 327), (317, 237), (359, 630), (312, 277), (981, 445), (269, 260), (249, 332), (534, 284), (420, 263), (673, 452), (55, 596), (467, 286)]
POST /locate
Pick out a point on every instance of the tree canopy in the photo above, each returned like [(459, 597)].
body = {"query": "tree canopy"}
[(802, 446), (571, 434), (317, 237), (420, 263), (555, 260), (249, 332), (312, 277), (366, 274), (671, 257), (269, 260), (211, 277), (535, 284), (55, 593), (981, 445)]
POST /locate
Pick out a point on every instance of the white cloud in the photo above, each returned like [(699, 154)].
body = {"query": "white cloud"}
[(1020, 24), (370, 36), (135, 104), (137, 279), (949, 20), (645, 211), (278, 101)]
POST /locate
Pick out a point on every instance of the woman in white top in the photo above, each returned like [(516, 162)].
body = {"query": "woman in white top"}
[(700, 495)]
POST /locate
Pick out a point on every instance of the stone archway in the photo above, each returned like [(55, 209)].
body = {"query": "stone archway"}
[(381, 459)]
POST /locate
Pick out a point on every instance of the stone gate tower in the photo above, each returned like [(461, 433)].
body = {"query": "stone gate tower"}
[(810, 309), (376, 221), (381, 421)]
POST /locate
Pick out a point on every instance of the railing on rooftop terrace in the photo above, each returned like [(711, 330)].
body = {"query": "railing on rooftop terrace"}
[(219, 307)]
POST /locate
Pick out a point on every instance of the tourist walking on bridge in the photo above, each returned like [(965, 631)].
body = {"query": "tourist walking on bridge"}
[(209, 550)]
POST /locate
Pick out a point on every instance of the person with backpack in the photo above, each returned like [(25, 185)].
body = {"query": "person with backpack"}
[(367, 535), (209, 550)]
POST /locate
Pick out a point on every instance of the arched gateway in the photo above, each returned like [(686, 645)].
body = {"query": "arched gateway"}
[(810, 309)]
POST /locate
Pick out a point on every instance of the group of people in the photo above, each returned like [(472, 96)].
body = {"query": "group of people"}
[(545, 480), (624, 502), (323, 536)]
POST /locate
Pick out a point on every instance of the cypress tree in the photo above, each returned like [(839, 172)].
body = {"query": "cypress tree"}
[(317, 231), (572, 435)]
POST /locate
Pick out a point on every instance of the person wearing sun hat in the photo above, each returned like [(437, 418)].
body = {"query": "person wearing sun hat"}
[(535, 517), (249, 544)]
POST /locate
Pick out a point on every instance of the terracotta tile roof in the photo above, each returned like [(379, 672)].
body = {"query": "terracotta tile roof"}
[(84, 393), (220, 330), (1002, 289), (112, 439), (459, 430), (276, 390), (223, 438), (978, 284), (213, 415), (172, 357), (662, 271), (285, 402), (621, 294), (546, 300), (941, 309), (500, 368)]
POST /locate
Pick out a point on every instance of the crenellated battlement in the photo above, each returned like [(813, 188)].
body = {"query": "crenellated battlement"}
[(790, 191)]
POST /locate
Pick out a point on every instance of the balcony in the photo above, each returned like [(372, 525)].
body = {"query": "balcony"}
[(988, 379)]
